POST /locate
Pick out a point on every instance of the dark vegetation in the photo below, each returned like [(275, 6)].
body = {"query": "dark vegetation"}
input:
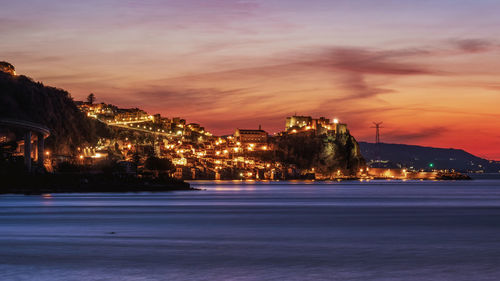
[(72, 178), (159, 165), (22, 98)]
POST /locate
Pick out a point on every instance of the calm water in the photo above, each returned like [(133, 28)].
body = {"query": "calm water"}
[(295, 231)]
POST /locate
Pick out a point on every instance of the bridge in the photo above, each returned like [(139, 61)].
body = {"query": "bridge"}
[(41, 131)]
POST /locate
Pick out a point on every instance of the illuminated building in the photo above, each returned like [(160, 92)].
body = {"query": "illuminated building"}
[(298, 121), (321, 125), (250, 136), (178, 121)]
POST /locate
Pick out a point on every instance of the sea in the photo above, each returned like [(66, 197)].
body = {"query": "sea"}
[(244, 230)]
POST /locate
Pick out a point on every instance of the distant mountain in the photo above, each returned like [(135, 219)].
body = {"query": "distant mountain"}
[(421, 157), (24, 99)]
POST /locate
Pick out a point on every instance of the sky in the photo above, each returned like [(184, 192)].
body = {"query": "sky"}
[(428, 69)]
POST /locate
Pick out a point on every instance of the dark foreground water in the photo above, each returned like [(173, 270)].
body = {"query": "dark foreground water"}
[(296, 231)]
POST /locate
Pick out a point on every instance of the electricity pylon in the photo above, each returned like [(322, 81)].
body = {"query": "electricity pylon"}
[(377, 131)]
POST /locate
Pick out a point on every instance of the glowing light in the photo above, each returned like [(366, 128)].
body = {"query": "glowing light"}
[(179, 132), (264, 148), (335, 121), (47, 153), (179, 161), (129, 146), (81, 156)]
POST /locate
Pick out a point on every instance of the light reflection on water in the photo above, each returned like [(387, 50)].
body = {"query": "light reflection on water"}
[(355, 230)]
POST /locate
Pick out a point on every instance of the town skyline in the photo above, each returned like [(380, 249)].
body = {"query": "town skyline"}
[(428, 70)]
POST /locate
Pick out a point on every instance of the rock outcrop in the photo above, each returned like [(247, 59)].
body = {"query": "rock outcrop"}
[(327, 154)]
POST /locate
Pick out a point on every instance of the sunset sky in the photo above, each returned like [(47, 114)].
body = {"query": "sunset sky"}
[(430, 70)]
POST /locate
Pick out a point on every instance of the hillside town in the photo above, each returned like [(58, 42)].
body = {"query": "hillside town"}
[(195, 152), (87, 138)]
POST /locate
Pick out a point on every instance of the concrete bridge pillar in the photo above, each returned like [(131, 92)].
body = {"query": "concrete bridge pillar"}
[(34, 151), (41, 149), (27, 150), (30, 152)]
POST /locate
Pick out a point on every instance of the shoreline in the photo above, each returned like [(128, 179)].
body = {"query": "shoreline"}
[(36, 184), (40, 191), (309, 181)]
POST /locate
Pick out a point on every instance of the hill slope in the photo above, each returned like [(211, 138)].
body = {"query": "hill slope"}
[(22, 98), (420, 157)]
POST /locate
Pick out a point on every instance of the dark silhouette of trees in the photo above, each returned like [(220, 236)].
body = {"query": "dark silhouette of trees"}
[(158, 165), (7, 68), (91, 98)]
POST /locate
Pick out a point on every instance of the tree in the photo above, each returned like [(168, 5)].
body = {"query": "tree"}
[(7, 68), (91, 98), (158, 164), (136, 159)]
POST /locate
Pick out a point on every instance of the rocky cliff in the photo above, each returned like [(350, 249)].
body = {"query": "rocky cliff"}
[(327, 154)]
